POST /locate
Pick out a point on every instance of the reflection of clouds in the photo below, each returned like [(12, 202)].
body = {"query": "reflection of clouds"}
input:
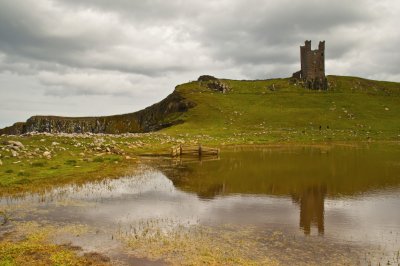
[(372, 219), (151, 198)]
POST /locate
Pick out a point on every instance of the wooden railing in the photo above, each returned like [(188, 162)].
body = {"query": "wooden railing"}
[(186, 150)]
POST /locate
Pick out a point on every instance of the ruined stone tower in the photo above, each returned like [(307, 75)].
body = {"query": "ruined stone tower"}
[(312, 73)]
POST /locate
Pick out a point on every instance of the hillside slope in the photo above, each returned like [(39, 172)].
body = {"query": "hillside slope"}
[(277, 109), (152, 118), (264, 109)]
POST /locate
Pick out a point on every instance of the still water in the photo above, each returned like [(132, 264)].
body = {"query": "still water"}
[(298, 205)]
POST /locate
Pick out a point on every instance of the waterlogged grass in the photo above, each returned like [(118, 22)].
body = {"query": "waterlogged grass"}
[(232, 245), (30, 245)]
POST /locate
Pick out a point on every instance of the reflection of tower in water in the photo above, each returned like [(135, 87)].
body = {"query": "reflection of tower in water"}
[(311, 201)]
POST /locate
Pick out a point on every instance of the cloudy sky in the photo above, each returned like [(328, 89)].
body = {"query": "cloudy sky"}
[(101, 57)]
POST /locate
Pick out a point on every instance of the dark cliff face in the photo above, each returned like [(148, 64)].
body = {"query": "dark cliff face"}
[(152, 118)]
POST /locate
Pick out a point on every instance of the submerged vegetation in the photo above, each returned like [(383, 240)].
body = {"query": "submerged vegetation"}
[(233, 245), (30, 245)]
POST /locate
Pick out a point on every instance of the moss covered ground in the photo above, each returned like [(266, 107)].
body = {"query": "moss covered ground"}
[(29, 245)]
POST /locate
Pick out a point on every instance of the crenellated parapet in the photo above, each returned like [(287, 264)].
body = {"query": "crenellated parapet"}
[(312, 73)]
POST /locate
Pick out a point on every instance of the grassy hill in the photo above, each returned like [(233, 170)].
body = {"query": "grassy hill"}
[(276, 109), (264, 110), (249, 112)]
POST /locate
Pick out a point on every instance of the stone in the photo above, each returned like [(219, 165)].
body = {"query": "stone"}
[(47, 154), (15, 144), (206, 78), (218, 86), (15, 148), (55, 143), (14, 153), (1, 162)]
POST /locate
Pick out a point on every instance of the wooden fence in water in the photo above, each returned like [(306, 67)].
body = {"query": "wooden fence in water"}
[(191, 150)]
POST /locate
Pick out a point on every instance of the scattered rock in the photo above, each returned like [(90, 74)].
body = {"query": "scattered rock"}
[(117, 151), (18, 144), (55, 143), (15, 148), (47, 154), (14, 153), (386, 109), (219, 86), (128, 157)]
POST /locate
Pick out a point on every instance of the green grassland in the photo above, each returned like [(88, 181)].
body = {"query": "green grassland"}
[(276, 110), (262, 112)]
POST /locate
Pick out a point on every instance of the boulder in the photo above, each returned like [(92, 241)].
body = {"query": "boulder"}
[(18, 144), (15, 148), (218, 86), (206, 78)]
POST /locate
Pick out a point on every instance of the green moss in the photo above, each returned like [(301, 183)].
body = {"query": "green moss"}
[(35, 249), (71, 162), (38, 164), (22, 181), (98, 160)]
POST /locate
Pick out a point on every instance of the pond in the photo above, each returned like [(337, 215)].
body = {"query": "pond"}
[(327, 204)]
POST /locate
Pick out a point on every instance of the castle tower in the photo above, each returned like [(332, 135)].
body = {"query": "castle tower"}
[(312, 71)]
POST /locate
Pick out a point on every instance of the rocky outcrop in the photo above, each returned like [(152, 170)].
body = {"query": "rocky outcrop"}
[(206, 78), (218, 86), (213, 83), (152, 118)]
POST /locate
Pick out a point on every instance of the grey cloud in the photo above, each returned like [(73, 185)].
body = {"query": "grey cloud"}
[(35, 34), (153, 11), (240, 32), (273, 29)]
